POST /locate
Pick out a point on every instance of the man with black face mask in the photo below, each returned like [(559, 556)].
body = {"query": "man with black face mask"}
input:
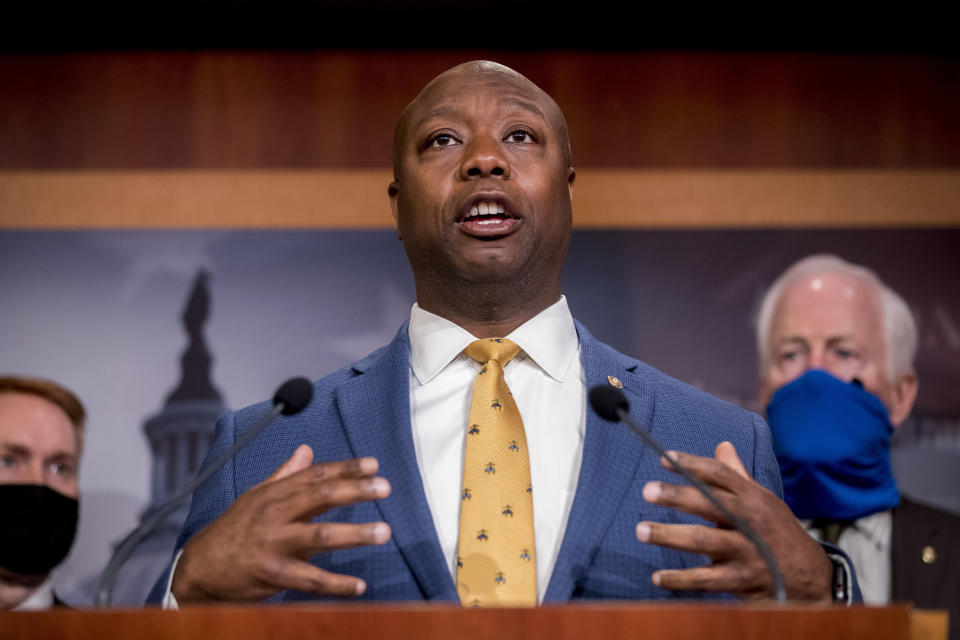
[(41, 434), (836, 352)]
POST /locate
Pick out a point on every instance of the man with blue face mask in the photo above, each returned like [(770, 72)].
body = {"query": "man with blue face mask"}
[(836, 352)]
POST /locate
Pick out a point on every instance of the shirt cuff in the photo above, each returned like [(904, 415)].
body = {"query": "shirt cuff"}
[(169, 602)]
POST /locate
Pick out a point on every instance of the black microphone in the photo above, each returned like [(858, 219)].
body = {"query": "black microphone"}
[(292, 397), (610, 404)]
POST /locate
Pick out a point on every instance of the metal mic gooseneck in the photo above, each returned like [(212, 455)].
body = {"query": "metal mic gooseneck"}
[(292, 396)]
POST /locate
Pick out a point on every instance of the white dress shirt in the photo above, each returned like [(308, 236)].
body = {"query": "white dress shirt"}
[(40, 599), (867, 543), (549, 385)]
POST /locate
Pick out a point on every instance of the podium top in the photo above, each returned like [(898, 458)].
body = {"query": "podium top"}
[(651, 621)]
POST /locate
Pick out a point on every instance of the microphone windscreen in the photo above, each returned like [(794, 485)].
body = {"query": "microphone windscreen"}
[(294, 395), (605, 400)]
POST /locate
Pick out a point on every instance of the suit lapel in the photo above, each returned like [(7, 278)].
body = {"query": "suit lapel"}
[(914, 578), (375, 408), (611, 453)]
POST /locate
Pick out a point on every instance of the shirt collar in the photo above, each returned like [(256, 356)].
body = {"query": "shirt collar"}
[(41, 598), (549, 339)]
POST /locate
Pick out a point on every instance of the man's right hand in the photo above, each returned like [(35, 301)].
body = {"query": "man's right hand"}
[(261, 544)]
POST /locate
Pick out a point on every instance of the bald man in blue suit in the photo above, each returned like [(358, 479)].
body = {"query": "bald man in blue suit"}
[(332, 502)]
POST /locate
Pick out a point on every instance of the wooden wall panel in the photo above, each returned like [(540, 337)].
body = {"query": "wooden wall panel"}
[(240, 110), (275, 138)]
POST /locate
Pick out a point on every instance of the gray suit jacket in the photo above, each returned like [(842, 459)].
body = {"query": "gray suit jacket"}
[(925, 559)]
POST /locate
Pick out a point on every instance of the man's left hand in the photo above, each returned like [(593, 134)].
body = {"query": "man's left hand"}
[(736, 566)]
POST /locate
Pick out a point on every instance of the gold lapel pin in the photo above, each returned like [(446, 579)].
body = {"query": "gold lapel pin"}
[(614, 382), (928, 555)]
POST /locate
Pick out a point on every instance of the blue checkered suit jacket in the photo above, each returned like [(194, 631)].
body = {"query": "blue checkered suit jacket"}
[(363, 410)]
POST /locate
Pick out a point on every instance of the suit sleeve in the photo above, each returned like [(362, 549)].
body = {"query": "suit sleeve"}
[(765, 469), (209, 500)]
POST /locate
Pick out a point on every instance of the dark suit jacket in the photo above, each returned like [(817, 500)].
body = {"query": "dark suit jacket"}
[(363, 410), (931, 584)]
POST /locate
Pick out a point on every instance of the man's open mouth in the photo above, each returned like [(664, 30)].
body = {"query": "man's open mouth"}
[(486, 218)]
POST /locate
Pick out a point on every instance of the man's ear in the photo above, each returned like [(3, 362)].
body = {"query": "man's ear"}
[(904, 395), (393, 190), (571, 177)]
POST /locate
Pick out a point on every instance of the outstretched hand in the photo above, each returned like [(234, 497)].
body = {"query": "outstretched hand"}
[(261, 544), (736, 566)]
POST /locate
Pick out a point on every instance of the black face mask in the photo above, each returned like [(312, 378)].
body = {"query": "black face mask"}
[(38, 528)]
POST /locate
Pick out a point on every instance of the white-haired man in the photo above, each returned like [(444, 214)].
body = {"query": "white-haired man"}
[(836, 350)]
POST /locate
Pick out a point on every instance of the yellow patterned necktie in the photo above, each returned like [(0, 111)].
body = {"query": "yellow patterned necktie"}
[(496, 555)]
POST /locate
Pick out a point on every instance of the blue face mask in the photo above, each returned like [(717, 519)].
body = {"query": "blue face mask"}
[(832, 440)]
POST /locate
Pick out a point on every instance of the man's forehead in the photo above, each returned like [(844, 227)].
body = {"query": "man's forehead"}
[(479, 74), (828, 302), (448, 109), (831, 288), (463, 83), (23, 412)]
